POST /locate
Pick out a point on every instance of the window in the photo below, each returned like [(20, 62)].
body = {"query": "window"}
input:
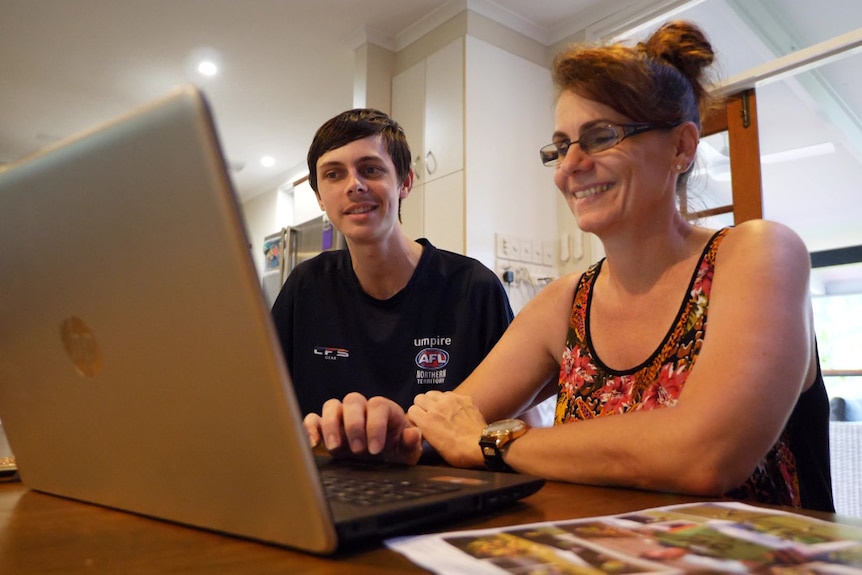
[(838, 324)]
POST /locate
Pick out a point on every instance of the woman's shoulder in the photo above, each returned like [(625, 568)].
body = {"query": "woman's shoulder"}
[(762, 228), (756, 248), (758, 238), (559, 293)]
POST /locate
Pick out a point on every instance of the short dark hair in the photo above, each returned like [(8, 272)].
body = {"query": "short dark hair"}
[(355, 125)]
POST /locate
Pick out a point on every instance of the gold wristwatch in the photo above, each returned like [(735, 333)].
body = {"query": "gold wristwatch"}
[(496, 437)]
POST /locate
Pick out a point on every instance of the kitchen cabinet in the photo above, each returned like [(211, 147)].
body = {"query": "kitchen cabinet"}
[(444, 111), (496, 109), (428, 102), (444, 213)]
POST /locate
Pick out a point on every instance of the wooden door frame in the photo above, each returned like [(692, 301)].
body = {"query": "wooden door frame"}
[(737, 115)]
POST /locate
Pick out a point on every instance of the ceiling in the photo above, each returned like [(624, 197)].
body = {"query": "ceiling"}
[(287, 65)]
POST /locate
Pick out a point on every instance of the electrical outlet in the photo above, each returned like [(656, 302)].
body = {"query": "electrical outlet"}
[(548, 252), (514, 248), (536, 256), (525, 250)]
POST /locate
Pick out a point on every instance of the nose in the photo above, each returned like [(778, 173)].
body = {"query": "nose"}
[(575, 160), (355, 182)]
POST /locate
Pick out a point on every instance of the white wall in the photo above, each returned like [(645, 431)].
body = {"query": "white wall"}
[(508, 116), (260, 218), (271, 211), (305, 205), (266, 214)]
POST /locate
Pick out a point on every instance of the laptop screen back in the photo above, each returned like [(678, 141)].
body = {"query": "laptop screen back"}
[(138, 368)]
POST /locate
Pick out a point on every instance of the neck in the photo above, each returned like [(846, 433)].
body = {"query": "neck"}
[(637, 259), (384, 269)]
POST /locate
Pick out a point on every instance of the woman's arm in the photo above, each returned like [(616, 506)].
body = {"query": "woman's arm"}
[(515, 372), (755, 361), (521, 370)]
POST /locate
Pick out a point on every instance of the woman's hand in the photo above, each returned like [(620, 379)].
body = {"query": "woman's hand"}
[(360, 427), (451, 424)]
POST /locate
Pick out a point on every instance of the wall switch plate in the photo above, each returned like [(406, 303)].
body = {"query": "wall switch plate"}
[(503, 247)]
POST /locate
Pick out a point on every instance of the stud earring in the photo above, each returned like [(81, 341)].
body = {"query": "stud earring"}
[(678, 168)]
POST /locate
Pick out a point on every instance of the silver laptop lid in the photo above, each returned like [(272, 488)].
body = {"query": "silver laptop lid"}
[(118, 281)]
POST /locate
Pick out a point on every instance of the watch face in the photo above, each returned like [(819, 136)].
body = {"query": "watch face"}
[(504, 426)]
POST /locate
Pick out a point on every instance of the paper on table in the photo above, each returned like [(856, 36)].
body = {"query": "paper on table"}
[(720, 537)]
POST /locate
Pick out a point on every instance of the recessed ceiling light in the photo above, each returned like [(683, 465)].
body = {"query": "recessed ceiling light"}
[(203, 61), (267, 161), (208, 68)]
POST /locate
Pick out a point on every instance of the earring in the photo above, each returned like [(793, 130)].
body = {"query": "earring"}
[(678, 168)]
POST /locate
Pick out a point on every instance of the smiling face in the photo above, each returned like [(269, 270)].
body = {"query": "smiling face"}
[(624, 184), (359, 188)]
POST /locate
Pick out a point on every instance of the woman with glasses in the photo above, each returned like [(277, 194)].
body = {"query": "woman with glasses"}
[(683, 361)]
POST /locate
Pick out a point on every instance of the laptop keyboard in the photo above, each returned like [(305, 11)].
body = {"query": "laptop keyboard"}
[(365, 492)]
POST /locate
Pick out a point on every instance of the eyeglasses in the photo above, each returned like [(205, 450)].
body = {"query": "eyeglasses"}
[(597, 139)]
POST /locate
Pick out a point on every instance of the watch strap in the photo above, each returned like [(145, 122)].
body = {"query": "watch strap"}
[(496, 438), (493, 456)]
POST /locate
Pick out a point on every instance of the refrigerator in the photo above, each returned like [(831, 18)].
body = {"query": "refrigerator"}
[(285, 249)]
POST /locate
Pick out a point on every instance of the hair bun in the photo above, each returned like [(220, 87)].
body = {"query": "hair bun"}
[(685, 47)]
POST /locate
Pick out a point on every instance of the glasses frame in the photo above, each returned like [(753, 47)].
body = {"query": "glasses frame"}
[(556, 151)]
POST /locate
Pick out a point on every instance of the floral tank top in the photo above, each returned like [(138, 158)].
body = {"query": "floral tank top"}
[(588, 389)]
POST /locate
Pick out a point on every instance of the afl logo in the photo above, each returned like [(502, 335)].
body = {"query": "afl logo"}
[(432, 358)]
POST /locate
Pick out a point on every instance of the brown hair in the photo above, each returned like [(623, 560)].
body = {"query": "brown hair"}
[(355, 125), (662, 80)]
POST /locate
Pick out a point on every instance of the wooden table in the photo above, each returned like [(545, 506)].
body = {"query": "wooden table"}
[(45, 534)]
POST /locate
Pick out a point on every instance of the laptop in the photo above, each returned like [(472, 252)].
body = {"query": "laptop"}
[(139, 368)]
